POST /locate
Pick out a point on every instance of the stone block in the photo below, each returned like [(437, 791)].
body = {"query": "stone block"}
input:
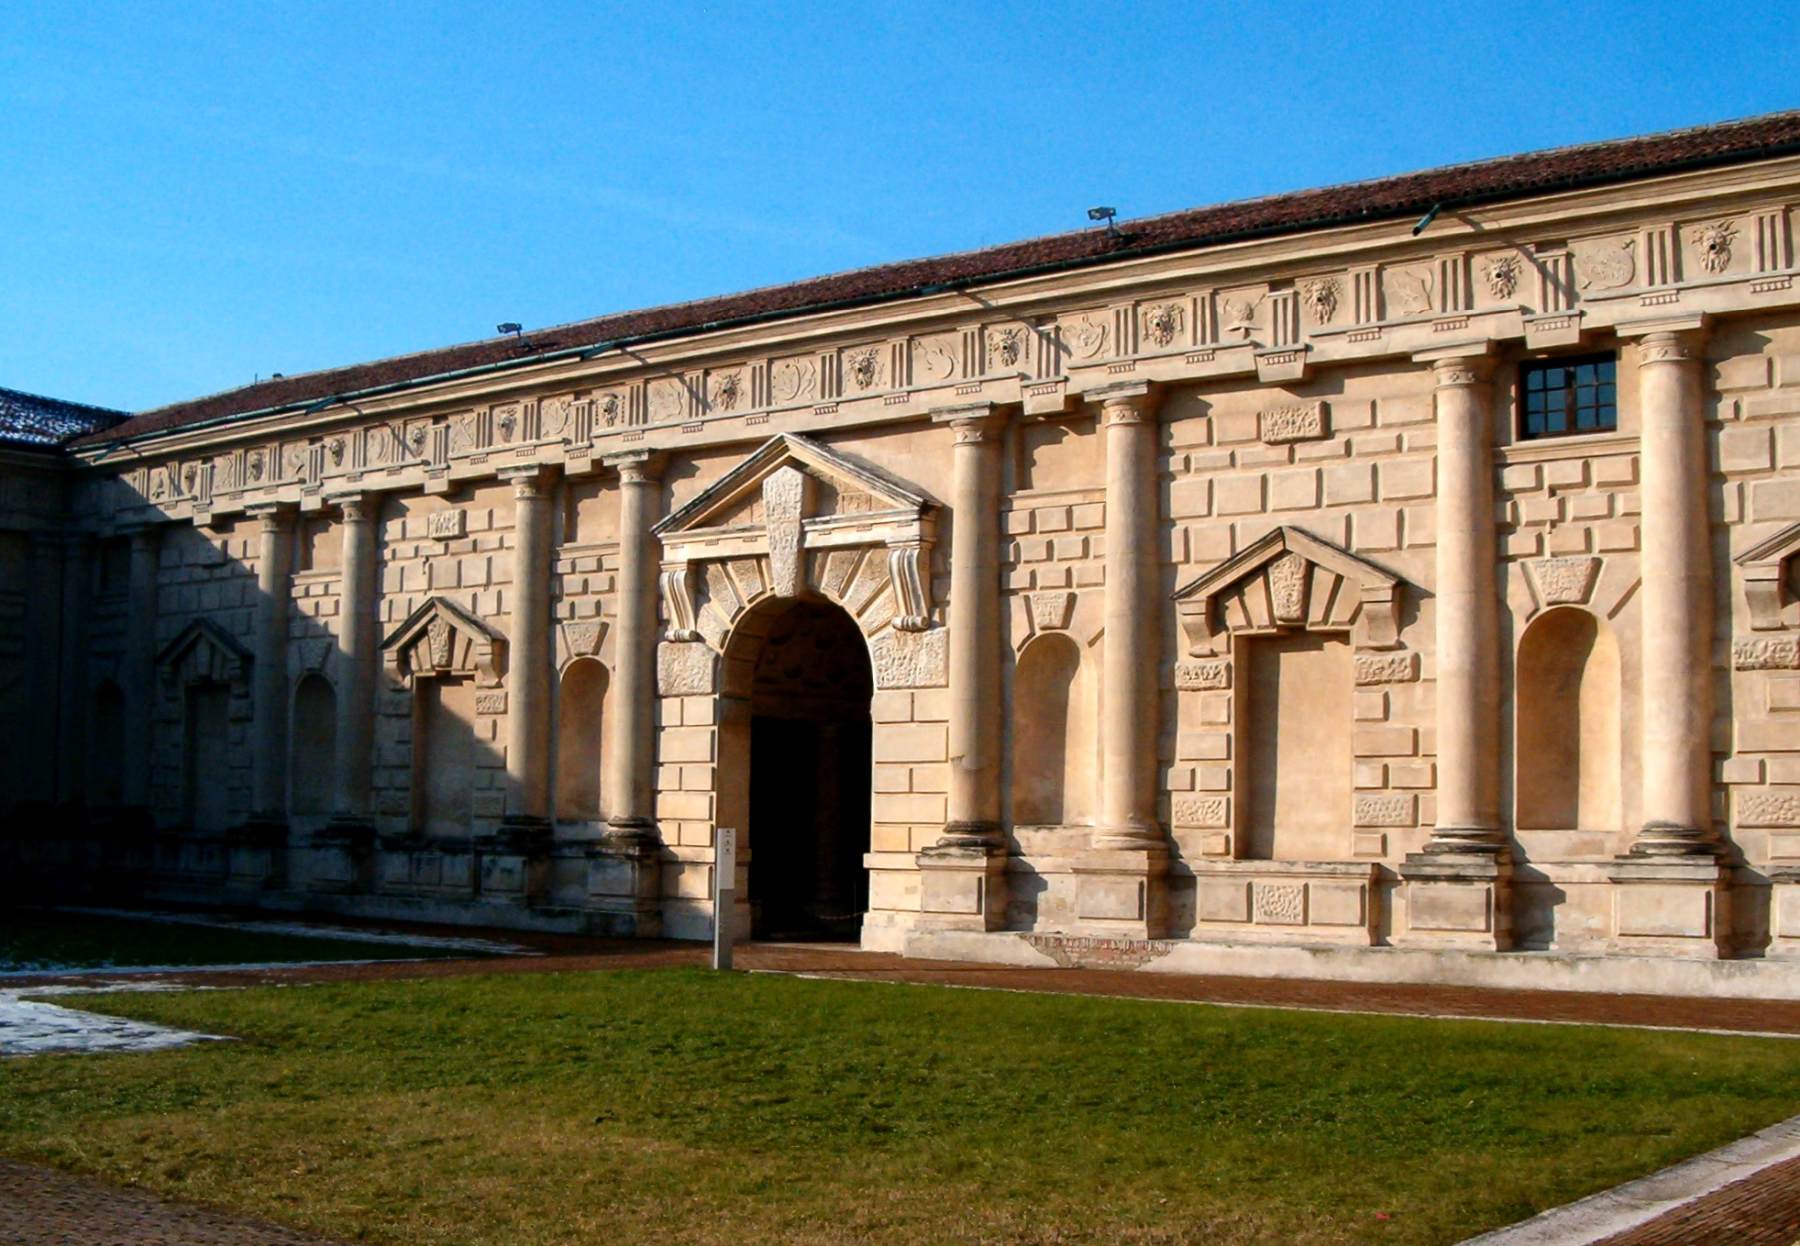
[(1338, 904), (1222, 899), (1406, 478)]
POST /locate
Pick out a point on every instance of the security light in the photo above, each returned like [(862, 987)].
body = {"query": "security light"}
[(511, 327)]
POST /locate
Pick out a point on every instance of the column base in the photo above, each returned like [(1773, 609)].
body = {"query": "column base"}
[(342, 857), (962, 886), (1459, 890), (1673, 839), (624, 881), (1671, 906), (983, 835), (1122, 893)]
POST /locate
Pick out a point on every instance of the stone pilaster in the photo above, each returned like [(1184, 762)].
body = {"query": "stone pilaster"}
[(529, 656), (137, 675), (1459, 887), (1673, 893), (269, 691), (1120, 881), (964, 873), (624, 869)]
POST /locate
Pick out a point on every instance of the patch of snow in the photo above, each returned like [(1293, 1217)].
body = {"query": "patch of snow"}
[(30, 1028)]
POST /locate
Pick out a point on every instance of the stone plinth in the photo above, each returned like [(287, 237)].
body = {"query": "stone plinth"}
[(256, 857), (962, 887), (1458, 899), (1784, 911), (341, 859), (624, 882), (416, 865), (1121, 893), (1671, 906), (512, 862)]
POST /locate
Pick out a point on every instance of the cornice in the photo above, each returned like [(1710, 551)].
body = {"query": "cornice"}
[(1258, 312)]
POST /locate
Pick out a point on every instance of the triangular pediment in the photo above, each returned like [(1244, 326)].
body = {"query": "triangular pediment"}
[(1766, 583), (1290, 578), (204, 651), (442, 638), (836, 485)]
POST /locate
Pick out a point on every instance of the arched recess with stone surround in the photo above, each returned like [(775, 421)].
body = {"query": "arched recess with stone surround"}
[(312, 769), (797, 536), (1567, 754), (581, 739), (1055, 749)]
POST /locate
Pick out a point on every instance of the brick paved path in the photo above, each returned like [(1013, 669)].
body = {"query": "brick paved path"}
[(39, 1207), (1760, 1210), (43, 1207)]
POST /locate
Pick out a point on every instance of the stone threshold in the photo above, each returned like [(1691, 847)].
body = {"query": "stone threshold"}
[(1610, 1212), (1621, 974)]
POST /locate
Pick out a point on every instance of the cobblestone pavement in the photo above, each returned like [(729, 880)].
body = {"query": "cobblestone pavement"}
[(1760, 1210), (39, 1207), (43, 1207)]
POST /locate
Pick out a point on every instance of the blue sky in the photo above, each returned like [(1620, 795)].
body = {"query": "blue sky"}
[(193, 194)]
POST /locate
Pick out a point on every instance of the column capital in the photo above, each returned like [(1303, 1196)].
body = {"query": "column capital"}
[(273, 516), (973, 422), (1124, 402), (637, 467), (355, 507), (528, 482), (1671, 346), (1461, 370)]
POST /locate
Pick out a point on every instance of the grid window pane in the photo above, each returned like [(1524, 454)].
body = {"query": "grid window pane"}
[(1565, 396)]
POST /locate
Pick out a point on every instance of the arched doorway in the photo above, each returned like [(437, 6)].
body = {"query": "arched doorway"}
[(796, 750)]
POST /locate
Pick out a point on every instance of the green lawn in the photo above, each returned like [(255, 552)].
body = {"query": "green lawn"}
[(682, 1106), (45, 941)]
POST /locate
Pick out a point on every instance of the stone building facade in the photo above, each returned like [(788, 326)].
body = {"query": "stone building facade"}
[(1396, 580)]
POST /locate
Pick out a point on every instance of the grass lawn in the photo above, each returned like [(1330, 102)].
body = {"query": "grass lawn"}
[(681, 1106), (45, 941)]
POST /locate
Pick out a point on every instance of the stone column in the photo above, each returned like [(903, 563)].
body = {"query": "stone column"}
[(1467, 604), (72, 748), (269, 735), (137, 675), (1677, 602), (963, 875), (624, 868), (1120, 882), (1459, 885), (1134, 611), (529, 658), (1672, 892), (358, 641), (37, 756), (974, 617)]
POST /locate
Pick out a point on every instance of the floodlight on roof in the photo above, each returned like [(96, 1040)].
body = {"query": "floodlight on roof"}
[(511, 326)]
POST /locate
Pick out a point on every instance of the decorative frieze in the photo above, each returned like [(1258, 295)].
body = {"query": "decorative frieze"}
[(1386, 668), (685, 668), (1202, 676), (446, 525), (1300, 421), (1200, 811), (1766, 653), (1773, 806)]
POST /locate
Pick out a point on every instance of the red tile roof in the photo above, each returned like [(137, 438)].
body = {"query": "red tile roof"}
[(1386, 198)]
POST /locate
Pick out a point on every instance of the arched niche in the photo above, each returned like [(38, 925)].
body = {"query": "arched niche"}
[(1054, 754), (1568, 747), (312, 767), (206, 676), (581, 739)]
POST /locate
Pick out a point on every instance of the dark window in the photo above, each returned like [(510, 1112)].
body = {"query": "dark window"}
[(1565, 396)]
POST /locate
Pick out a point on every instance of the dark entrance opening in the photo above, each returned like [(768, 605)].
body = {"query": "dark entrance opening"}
[(810, 776)]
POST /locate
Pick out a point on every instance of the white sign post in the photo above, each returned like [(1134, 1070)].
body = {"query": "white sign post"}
[(724, 893)]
